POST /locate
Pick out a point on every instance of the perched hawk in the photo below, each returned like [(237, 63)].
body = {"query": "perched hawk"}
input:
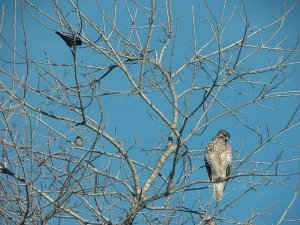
[(218, 159)]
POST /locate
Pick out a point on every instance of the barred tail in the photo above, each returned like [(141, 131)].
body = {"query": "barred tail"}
[(218, 190)]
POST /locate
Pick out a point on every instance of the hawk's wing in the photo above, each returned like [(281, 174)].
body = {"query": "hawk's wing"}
[(208, 168), (229, 152), (209, 148), (228, 170)]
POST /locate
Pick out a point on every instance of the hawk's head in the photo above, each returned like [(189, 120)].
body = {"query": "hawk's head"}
[(223, 134)]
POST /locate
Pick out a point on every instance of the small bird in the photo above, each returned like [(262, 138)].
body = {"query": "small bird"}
[(78, 141), (6, 171), (69, 39), (218, 160)]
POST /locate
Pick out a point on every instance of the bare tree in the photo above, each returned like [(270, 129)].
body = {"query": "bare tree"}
[(146, 91)]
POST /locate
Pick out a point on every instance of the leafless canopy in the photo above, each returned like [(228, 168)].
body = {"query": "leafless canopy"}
[(147, 90)]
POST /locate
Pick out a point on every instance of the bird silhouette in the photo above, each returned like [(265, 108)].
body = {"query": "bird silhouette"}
[(69, 39)]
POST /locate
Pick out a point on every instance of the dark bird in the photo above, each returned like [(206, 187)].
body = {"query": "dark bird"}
[(69, 39), (6, 171), (218, 160), (78, 141)]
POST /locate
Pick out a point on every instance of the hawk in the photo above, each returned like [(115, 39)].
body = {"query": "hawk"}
[(69, 39), (218, 160)]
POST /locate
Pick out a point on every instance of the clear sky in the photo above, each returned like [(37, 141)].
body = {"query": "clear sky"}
[(127, 118)]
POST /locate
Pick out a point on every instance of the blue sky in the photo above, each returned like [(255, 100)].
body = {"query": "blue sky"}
[(127, 118)]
